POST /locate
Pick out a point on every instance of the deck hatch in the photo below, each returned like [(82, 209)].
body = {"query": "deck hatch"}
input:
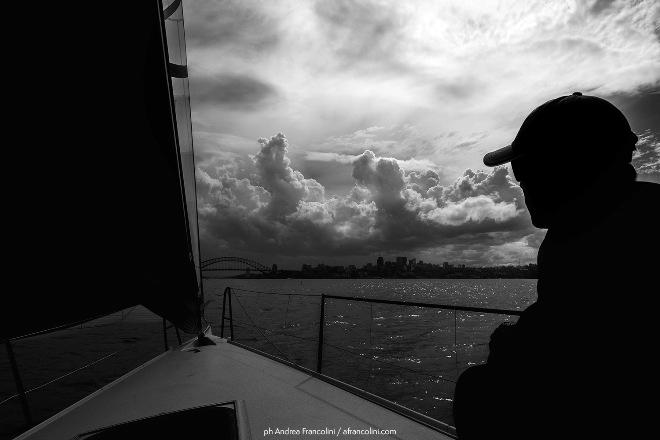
[(227, 420)]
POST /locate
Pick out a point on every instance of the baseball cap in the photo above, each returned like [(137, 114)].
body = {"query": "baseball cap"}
[(575, 126)]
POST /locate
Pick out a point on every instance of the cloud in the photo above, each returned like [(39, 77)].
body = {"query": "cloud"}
[(241, 92), (402, 141), (287, 187), (443, 66), (239, 25), (600, 5), (262, 204), (414, 147), (641, 109), (646, 159), (360, 32), (330, 166), (277, 210), (473, 209)]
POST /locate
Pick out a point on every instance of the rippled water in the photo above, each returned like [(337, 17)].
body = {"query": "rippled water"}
[(410, 355)]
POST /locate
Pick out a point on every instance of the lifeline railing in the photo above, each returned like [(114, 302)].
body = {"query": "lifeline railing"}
[(228, 310), (227, 316), (22, 393)]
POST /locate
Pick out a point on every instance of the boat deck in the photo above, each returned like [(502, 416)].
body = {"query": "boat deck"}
[(272, 395)]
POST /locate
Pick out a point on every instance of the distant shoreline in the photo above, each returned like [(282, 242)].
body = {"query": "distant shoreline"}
[(387, 271), (399, 269), (279, 277)]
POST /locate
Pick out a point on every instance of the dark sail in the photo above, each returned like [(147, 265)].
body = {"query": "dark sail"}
[(103, 208)]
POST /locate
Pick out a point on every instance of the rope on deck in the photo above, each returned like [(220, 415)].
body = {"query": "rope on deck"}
[(62, 376)]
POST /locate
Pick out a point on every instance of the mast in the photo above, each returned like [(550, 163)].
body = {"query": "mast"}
[(175, 43)]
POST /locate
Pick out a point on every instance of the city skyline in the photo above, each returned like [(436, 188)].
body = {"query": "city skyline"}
[(399, 262)]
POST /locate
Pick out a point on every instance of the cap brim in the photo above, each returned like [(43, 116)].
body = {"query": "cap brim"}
[(499, 157)]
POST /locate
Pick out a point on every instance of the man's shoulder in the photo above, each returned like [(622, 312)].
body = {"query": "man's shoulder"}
[(627, 233), (643, 201), (624, 223), (631, 216), (648, 188)]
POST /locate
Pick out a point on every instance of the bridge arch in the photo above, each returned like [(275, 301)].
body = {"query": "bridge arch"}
[(232, 264)]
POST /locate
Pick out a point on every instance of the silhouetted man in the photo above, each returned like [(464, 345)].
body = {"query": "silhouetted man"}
[(578, 361)]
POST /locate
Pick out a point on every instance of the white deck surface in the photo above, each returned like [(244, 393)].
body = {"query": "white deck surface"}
[(275, 396)]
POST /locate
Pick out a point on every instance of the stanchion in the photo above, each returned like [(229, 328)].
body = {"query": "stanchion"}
[(319, 352)]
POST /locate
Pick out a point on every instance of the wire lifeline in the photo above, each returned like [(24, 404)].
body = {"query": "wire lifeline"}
[(38, 387), (274, 293), (342, 349), (248, 325), (265, 337), (412, 370)]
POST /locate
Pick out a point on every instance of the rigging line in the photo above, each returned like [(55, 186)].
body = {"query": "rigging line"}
[(56, 328), (455, 343), (314, 295), (412, 370), (265, 337), (390, 364), (371, 343), (62, 376), (119, 320), (371, 321), (426, 332), (440, 328), (248, 325), (204, 318), (294, 294), (107, 324), (274, 293), (286, 312), (83, 326), (205, 306)]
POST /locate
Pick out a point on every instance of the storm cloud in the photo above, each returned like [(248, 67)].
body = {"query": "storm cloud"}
[(277, 210), (239, 25), (361, 32), (231, 90)]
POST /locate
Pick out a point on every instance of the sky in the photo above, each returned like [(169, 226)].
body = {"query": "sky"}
[(337, 131)]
